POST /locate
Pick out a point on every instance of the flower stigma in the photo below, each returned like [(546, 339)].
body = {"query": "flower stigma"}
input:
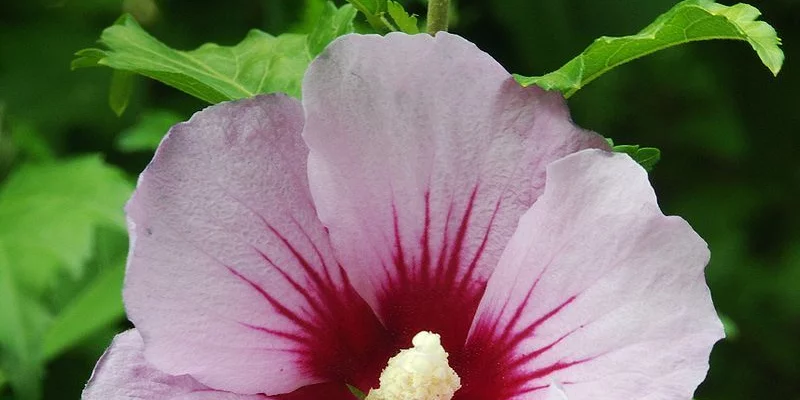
[(418, 373)]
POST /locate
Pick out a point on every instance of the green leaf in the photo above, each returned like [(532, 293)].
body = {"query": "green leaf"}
[(731, 329), (405, 22), (647, 157), (261, 63), (688, 21), (120, 92), (146, 134), (95, 307), (29, 141), (87, 58), (312, 11), (356, 392), (369, 7), (19, 352), (49, 213), (332, 24), (374, 11), (20, 141)]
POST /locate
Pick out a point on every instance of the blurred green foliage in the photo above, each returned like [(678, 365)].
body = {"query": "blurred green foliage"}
[(726, 129)]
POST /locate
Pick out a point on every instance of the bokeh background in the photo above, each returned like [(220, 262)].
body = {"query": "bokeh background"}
[(727, 128)]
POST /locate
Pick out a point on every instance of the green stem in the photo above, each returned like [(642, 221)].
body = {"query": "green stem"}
[(438, 15)]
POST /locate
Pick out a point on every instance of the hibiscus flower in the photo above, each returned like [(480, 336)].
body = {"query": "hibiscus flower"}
[(283, 250)]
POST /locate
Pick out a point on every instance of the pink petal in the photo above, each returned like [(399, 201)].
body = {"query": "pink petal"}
[(123, 374), (231, 277), (556, 392), (597, 291), (424, 154)]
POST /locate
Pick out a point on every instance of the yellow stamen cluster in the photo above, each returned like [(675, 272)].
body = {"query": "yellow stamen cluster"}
[(418, 373)]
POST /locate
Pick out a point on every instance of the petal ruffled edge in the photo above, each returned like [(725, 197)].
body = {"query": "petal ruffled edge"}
[(123, 374), (598, 291)]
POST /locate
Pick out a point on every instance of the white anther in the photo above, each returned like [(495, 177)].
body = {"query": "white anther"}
[(418, 373)]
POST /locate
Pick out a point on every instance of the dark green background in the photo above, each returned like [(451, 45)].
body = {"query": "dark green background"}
[(728, 131)]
